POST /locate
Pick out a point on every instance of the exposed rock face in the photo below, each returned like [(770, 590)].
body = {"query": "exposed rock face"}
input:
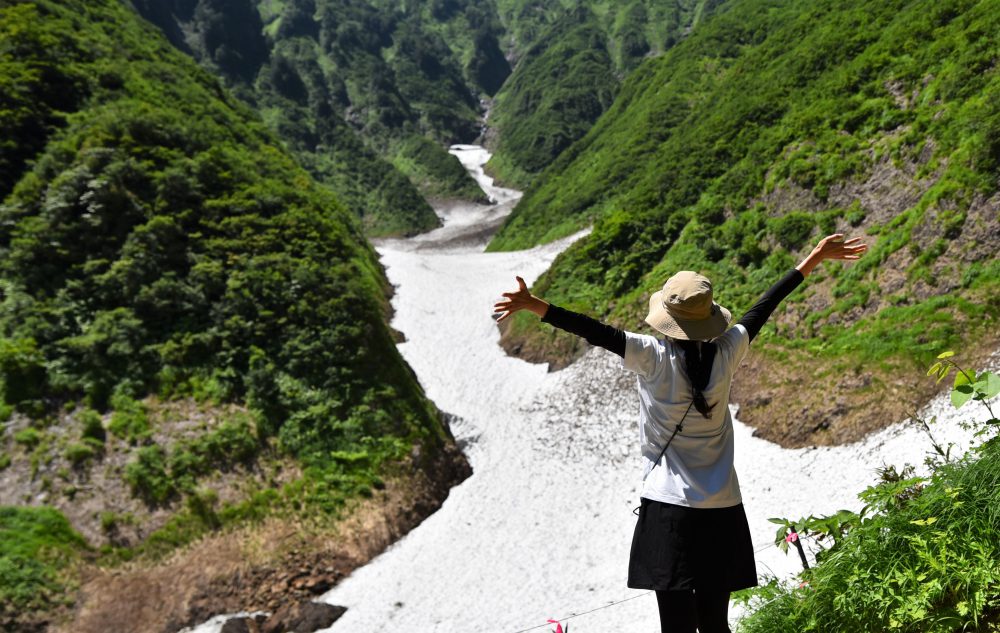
[(292, 617), (303, 617), (251, 624)]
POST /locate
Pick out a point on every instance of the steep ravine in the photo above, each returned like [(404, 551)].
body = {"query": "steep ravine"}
[(542, 528)]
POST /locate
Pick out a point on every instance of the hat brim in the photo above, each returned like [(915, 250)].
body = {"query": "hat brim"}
[(687, 329)]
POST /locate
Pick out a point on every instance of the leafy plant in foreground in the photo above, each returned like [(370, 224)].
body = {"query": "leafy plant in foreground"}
[(922, 556), (967, 386)]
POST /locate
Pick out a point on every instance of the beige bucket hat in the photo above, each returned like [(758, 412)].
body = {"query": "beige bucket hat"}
[(684, 309)]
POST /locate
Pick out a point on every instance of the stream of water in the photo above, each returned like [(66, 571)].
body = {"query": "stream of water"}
[(542, 528)]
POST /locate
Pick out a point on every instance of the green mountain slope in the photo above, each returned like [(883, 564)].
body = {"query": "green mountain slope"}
[(390, 75), (570, 61), (156, 238), (562, 85), (321, 78), (404, 74), (772, 124)]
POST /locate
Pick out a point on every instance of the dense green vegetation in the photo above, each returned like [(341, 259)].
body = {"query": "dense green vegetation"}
[(402, 74), (562, 85), (440, 175), (635, 28), (756, 135), (924, 564), (923, 556), (571, 58), (356, 91), (156, 238), (38, 544), (381, 70), (161, 240)]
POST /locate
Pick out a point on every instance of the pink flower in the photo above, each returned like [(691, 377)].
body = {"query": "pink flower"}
[(792, 537), (558, 626)]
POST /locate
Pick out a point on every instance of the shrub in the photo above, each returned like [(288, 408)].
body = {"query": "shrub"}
[(78, 453), (93, 427), (22, 370), (28, 437), (37, 543), (147, 476), (129, 420), (232, 442), (202, 504), (855, 214), (793, 229), (109, 521)]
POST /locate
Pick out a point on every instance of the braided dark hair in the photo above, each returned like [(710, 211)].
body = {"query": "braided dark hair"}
[(698, 359)]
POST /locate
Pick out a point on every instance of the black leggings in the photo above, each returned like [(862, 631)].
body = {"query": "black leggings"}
[(686, 611)]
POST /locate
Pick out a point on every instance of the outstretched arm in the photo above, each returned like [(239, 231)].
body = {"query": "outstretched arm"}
[(830, 247), (595, 332)]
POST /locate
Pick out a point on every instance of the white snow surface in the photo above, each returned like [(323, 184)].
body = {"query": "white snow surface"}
[(543, 526)]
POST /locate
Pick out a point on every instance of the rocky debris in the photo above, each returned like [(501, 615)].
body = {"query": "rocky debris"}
[(266, 566), (571, 429), (300, 577), (248, 624), (303, 617), (305, 572), (292, 617)]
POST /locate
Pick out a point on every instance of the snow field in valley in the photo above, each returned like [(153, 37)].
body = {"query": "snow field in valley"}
[(542, 528)]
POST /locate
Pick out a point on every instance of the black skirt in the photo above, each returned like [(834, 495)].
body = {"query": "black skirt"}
[(680, 548)]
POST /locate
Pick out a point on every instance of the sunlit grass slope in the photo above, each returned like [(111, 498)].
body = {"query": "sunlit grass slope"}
[(775, 123)]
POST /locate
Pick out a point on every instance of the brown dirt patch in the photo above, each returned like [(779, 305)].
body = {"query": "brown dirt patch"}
[(263, 566), (88, 493)]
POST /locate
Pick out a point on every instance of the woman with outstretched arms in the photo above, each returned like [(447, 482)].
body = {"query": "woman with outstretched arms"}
[(691, 542)]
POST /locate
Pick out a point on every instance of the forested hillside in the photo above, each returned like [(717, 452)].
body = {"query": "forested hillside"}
[(347, 82), (775, 123), (360, 95), (571, 58), (192, 329)]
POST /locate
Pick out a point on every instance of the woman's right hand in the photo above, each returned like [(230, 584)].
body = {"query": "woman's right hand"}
[(833, 247), (520, 299)]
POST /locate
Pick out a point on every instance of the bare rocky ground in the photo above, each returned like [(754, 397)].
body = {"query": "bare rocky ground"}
[(270, 567), (93, 494)]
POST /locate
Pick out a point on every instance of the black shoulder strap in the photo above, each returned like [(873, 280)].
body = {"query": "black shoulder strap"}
[(677, 429)]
